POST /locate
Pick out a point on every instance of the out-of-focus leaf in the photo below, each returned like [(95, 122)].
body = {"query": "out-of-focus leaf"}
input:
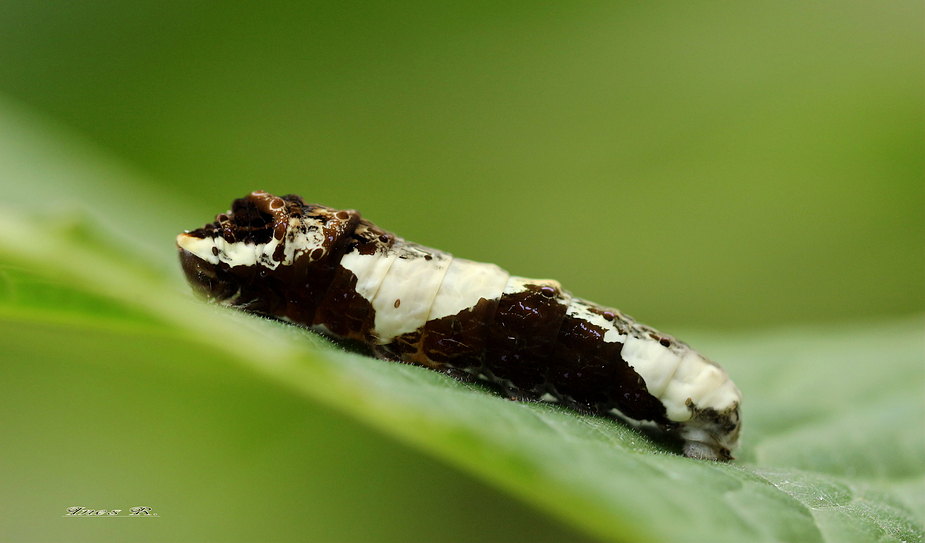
[(834, 418)]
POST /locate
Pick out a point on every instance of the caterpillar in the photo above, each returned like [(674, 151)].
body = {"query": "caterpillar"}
[(336, 273)]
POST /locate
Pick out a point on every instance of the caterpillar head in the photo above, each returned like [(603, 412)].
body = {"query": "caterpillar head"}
[(222, 258)]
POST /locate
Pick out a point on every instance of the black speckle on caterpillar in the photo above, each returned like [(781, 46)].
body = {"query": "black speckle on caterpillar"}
[(336, 273)]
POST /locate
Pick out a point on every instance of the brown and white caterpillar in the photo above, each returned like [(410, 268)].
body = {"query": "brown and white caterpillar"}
[(338, 274)]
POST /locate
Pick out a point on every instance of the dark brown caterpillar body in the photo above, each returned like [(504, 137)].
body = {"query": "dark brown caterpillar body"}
[(339, 274)]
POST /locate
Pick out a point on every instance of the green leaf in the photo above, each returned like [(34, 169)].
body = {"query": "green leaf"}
[(108, 357)]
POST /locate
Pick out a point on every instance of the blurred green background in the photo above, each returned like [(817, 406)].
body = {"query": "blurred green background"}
[(714, 166)]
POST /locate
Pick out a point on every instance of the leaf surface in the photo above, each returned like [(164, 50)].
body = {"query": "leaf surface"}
[(834, 442)]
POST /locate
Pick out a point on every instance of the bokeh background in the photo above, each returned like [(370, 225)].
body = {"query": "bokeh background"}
[(716, 166)]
